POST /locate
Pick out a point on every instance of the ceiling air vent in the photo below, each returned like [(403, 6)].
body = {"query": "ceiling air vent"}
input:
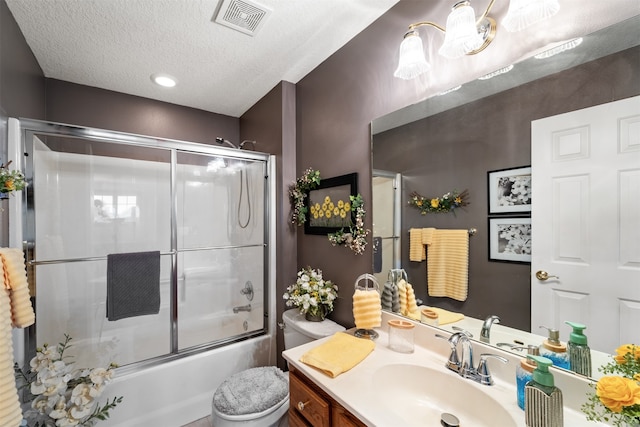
[(242, 15)]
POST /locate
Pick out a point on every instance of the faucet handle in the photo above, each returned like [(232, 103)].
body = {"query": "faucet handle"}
[(483, 369), (453, 362)]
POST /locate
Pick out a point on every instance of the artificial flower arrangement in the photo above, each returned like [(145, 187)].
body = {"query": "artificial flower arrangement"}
[(297, 193), (61, 394), (313, 295), (617, 397), (11, 180), (447, 203), (356, 238)]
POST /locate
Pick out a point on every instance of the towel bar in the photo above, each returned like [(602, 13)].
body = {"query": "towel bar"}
[(472, 231)]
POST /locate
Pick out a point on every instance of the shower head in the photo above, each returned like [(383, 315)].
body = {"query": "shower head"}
[(253, 144), (221, 140)]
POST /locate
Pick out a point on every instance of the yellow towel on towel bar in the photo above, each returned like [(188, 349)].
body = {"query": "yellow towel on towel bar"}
[(418, 237), (416, 247), (338, 354), (448, 264)]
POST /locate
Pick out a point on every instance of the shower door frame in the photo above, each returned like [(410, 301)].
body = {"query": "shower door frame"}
[(22, 229)]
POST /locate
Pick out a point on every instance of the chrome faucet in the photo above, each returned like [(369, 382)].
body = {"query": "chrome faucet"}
[(242, 308), (462, 363), (486, 327)]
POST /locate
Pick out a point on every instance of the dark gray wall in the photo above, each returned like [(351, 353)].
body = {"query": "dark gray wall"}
[(93, 107), (271, 122), (455, 149), (21, 89)]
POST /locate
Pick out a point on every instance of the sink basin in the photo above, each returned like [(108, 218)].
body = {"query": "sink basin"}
[(419, 394)]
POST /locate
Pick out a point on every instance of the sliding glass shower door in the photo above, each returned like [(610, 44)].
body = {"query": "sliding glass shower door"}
[(94, 193)]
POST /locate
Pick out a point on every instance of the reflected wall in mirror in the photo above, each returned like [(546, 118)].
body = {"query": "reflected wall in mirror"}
[(437, 148)]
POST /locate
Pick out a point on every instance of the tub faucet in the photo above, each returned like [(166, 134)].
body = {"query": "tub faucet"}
[(486, 327), (242, 308)]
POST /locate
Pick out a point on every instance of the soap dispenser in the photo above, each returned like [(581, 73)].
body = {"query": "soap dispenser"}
[(552, 348), (542, 399), (524, 372), (579, 351)]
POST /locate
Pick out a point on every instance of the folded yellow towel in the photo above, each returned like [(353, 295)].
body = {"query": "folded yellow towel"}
[(367, 309), (338, 354), (14, 275), (448, 264), (427, 235), (416, 247), (445, 316)]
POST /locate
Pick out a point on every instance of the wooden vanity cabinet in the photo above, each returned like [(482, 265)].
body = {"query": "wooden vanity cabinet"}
[(311, 407)]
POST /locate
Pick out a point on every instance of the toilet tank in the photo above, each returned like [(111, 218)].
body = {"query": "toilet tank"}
[(298, 330)]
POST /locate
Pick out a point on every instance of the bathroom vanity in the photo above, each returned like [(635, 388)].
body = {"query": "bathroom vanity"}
[(388, 389), (310, 406)]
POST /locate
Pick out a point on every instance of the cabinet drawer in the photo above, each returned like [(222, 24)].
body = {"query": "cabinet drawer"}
[(308, 403)]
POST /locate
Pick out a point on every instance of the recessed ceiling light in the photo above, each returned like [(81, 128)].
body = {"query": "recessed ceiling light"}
[(164, 80)]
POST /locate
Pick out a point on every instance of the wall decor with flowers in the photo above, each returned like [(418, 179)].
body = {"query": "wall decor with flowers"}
[(446, 203), (331, 207), (10, 180), (509, 206)]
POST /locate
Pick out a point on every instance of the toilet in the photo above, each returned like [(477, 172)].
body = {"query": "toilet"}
[(266, 388)]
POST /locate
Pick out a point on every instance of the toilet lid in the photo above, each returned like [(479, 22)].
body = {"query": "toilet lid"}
[(252, 390), (316, 330)]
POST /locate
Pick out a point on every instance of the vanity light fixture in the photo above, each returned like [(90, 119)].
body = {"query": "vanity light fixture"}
[(571, 44), (467, 35), (503, 70), (453, 89), (163, 80)]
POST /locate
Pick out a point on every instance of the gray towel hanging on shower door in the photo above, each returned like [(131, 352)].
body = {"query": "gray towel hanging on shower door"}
[(133, 284)]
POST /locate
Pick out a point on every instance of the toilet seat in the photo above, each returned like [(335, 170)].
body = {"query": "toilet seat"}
[(242, 399), (252, 416)]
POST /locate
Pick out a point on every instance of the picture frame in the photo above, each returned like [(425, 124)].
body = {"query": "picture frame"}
[(509, 190), (510, 239), (329, 205)]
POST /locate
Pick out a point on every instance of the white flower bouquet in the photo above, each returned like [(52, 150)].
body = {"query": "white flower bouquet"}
[(62, 394), (313, 295)]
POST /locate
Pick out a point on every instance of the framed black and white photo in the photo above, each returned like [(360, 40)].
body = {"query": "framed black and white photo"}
[(509, 190), (329, 205), (510, 239)]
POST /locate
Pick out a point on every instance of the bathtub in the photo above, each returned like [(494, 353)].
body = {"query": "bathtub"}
[(178, 392)]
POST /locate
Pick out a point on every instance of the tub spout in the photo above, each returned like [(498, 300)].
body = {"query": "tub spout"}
[(242, 308)]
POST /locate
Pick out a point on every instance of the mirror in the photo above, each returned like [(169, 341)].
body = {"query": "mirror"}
[(535, 85)]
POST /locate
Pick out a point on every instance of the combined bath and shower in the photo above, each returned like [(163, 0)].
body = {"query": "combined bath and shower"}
[(244, 185)]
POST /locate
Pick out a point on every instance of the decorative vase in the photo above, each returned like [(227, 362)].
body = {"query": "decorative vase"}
[(316, 317)]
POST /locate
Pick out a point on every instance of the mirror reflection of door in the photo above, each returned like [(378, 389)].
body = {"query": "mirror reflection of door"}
[(386, 188), (588, 161)]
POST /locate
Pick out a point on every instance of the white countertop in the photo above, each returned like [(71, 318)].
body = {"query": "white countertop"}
[(357, 392)]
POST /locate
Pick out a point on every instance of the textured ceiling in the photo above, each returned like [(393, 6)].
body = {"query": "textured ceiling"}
[(118, 44)]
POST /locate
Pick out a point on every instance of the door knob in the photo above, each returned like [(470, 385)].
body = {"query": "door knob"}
[(543, 275)]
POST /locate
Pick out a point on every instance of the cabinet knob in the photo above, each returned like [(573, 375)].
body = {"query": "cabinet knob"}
[(301, 405)]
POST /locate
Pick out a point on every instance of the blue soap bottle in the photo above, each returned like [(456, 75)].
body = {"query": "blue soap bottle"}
[(524, 372), (553, 349)]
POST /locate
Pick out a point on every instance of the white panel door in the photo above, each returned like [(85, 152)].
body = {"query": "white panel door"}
[(586, 222)]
